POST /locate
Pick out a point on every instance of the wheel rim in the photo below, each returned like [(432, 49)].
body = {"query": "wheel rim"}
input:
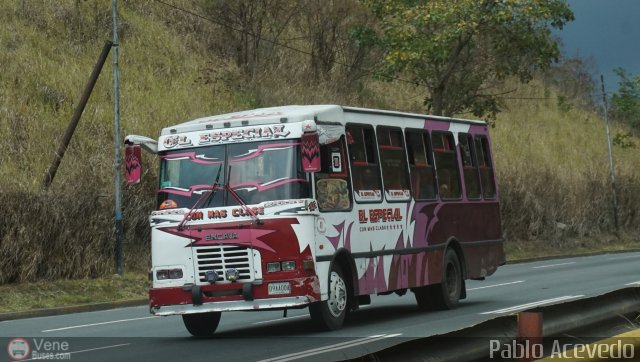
[(452, 281), (337, 295)]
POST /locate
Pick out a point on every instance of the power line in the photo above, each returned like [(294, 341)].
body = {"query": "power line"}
[(192, 13), (310, 54)]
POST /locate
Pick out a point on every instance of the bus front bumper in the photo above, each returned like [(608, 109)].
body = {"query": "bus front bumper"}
[(233, 297), (258, 304)]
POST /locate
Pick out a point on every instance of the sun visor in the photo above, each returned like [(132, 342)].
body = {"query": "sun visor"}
[(329, 133)]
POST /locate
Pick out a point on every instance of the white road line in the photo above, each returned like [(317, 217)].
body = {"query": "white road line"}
[(549, 266), (96, 324), (281, 319), (297, 316), (532, 304), (496, 285), (99, 348), (333, 347), (88, 350), (634, 283)]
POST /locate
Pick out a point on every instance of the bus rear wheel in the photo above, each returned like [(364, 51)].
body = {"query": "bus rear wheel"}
[(202, 324), (330, 314), (445, 295)]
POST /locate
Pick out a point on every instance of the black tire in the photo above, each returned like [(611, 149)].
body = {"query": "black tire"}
[(202, 324), (425, 297), (330, 314), (445, 295)]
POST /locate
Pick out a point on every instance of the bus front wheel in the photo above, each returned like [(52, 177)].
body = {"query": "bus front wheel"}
[(202, 324), (330, 314)]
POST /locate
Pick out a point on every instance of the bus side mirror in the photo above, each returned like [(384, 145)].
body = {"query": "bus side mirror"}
[(133, 163), (310, 152), (133, 155)]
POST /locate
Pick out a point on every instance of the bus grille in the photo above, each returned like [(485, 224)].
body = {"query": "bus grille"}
[(220, 258)]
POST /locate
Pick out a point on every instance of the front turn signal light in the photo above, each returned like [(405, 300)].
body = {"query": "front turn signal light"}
[(168, 204)]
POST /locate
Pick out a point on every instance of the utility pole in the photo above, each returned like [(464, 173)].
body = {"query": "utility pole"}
[(48, 178), (117, 163), (611, 166)]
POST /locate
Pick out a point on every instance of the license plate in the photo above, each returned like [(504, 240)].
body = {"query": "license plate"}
[(279, 288)]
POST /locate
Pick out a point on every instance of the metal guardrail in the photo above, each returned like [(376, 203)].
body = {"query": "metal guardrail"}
[(497, 339)]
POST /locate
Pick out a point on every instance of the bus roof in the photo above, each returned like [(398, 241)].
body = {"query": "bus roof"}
[(294, 113)]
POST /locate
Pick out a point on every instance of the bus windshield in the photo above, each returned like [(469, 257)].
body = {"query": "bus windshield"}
[(257, 171)]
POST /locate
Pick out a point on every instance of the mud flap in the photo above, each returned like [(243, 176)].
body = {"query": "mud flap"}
[(196, 295), (247, 291), (463, 294)]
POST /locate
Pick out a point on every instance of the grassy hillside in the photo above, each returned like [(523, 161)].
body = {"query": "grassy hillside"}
[(553, 167), (552, 164)]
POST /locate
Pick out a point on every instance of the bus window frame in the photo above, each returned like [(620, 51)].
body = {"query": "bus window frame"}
[(425, 137), (345, 175), (404, 160), (453, 149), (488, 164), (469, 138), (376, 165)]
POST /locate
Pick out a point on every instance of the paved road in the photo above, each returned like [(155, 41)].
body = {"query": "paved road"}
[(133, 334)]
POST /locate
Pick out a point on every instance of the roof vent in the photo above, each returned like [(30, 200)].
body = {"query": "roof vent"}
[(283, 120)]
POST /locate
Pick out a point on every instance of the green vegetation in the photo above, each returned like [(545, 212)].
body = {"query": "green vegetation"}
[(625, 102), (460, 50), (549, 144), (51, 294)]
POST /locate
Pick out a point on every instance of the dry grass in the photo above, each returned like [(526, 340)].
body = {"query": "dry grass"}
[(552, 164), (69, 234), (49, 50), (554, 171)]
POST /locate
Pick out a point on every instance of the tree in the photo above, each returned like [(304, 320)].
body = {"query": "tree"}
[(326, 26), (625, 103), (574, 80), (252, 29), (459, 49)]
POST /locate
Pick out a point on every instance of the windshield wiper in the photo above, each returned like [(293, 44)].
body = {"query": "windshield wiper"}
[(204, 198), (239, 199)]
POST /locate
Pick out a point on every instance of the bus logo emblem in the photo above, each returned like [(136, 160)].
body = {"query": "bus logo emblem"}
[(226, 236)]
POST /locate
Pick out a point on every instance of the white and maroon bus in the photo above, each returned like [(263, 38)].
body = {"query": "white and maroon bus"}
[(319, 206)]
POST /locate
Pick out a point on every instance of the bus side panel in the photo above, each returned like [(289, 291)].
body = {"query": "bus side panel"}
[(416, 257), (414, 270), (475, 225), (388, 258)]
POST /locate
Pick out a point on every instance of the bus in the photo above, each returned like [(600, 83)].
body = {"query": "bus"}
[(318, 206)]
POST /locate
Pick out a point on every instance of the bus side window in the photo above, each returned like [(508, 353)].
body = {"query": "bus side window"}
[(332, 181), (446, 162), (486, 167), (364, 163), (393, 161), (423, 180), (469, 165)]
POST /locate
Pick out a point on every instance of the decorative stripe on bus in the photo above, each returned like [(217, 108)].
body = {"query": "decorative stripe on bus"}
[(372, 254)]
